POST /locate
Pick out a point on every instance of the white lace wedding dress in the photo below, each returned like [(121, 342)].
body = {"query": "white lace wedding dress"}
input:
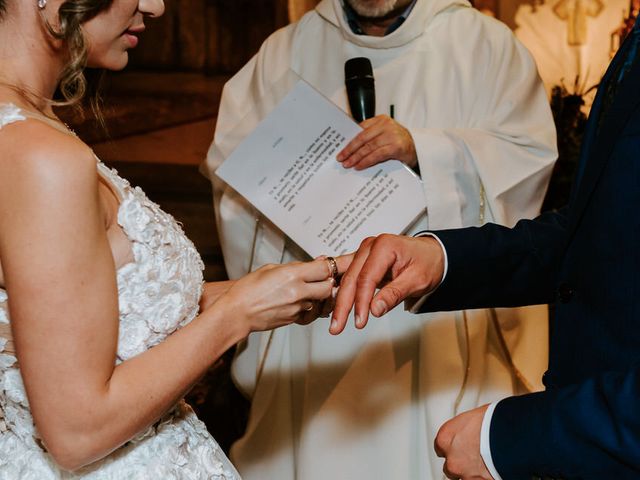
[(158, 293)]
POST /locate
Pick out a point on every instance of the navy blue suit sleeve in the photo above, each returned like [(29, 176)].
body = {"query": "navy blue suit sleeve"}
[(586, 430), (495, 266)]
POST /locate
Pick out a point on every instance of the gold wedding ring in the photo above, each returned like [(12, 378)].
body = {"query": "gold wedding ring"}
[(333, 267), (308, 307)]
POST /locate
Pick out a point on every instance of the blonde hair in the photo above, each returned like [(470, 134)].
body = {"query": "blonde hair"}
[(72, 15)]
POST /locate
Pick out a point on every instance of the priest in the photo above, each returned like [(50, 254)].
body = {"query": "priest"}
[(459, 100)]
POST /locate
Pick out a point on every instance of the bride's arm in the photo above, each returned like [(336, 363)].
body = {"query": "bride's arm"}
[(212, 291), (61, 281)]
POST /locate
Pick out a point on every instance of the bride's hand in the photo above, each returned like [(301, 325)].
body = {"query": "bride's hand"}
[(277, 295), (323, 309)]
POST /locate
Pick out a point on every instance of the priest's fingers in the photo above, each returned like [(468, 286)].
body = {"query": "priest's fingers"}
[(396, 143), (379, 155), (369, 122), (384, 140), (347, 290), (374, 143), (362, 140)]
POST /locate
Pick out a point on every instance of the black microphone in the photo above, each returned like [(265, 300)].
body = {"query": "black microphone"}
[(361, 89)]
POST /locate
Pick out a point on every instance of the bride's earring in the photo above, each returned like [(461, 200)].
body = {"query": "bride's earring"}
[(42, 4)]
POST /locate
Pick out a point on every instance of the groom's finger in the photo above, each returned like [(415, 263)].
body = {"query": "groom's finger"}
[(392, 294), (379, 263), (347, 290), (343, 262)]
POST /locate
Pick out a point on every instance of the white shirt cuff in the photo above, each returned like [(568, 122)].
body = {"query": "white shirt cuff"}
[(413, 306), (485, 445)]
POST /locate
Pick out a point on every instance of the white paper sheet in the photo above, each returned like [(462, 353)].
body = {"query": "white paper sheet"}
[(287, 169)]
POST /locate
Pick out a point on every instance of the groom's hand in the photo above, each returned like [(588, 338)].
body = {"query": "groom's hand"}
[(403, 266), (458, 442)]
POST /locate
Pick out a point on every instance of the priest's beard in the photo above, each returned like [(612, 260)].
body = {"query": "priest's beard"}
[(377, 8)]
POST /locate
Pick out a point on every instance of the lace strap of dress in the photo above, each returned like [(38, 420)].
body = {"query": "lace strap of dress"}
[(6, 337), (9, 113), (117, 184)]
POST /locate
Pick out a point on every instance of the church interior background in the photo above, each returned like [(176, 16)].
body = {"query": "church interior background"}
[(162, 111)]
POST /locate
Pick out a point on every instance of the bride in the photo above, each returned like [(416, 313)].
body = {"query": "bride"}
[(104, 319)]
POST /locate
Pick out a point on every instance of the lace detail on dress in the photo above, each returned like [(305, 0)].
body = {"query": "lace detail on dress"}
[(158, 293), (9, 113), (160, 290)]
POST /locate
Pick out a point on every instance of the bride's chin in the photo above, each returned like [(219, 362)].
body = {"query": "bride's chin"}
[(114, 63)]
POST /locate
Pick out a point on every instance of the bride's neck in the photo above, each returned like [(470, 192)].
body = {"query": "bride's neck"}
[(30, 60)]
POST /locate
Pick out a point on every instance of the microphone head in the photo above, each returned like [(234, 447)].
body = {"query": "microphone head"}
[(358, 67), (361, 90)]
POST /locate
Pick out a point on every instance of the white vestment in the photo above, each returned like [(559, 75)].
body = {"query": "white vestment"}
[(367, 404)]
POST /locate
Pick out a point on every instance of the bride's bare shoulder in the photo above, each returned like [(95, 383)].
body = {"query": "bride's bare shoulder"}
[(36, 156)]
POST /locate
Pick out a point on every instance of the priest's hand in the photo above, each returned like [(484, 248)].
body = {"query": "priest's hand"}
[(403, 266), (382, 139), (458, 442)]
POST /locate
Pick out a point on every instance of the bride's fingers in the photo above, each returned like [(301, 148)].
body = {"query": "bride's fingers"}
[(306, 306), (317, 290), (329, 303), (323, 267), (315, 271), (310, 311)]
